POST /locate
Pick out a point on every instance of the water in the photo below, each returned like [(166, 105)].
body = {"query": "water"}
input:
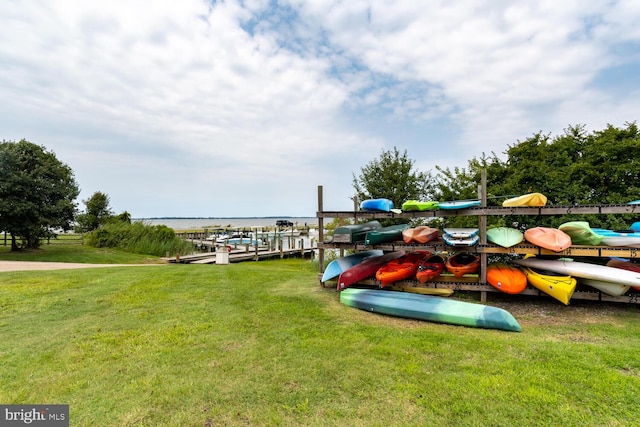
[(196, 223)]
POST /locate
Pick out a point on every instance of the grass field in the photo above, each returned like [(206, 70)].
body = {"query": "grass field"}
[(261, 343)]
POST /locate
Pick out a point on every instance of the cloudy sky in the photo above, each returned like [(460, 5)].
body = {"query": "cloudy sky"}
[(242, 108)]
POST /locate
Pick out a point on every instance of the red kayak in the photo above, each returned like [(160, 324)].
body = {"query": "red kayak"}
[(430, 268), (401, 268), (463, 263), (366, 268), (506, 278)]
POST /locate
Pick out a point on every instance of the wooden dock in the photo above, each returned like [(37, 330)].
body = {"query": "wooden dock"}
[(239, 255)]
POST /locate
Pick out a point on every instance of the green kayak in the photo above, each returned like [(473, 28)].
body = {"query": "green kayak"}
[(430, 308), (416, 205), (385, 234), (354, 232), (504, 236), (581, 233)]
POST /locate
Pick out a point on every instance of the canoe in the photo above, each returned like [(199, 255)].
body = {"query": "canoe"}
[(461, 233), (366, 268), (416, 205), (453, 241), (505, 236), (376, 205), (430, 308), (404, 267), (337, 266), (420, 290), (625, 265), (531, 199), (430, 268), (385, 234), (463, 263), (354, 232), (556, 285), (609, 288), (626, 238), (548, 238), (583, 270), (421, 234), (459, 204), (506, 278), (581, 233)]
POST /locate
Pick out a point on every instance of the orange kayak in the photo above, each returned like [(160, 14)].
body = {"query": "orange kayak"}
[(463, 263), (430, 268), (506, 278), (401, 268), (548, 238), (420, 234)]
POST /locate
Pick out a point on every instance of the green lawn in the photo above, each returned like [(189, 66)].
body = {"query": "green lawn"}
[(261, 343)]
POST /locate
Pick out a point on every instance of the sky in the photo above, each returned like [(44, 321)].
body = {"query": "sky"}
[(200, 108)]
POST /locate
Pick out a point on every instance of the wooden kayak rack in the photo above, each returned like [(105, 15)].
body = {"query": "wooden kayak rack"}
[(478, 283)]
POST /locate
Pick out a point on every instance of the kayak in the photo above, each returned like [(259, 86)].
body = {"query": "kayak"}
[(337, 266), (461, 233), (415, 205), (420, 290), (463, 263), (531, 199), (505, 236), (583, 270), (366, 268), (506, 278), (626, 238), (421, 234), (354, 232), (385, 234), (581, 233), (459, 204), (376, 205), (430, 268), (401, 268), (635, 226), (625, 265), (548, 238), (556, 285), (454, 241), (609, 288), (430, 308)]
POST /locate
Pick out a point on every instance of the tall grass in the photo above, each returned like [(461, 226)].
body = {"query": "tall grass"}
[(139, 238)]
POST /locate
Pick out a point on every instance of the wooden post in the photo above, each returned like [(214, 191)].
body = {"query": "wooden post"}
[(320, 232), (482, 225)]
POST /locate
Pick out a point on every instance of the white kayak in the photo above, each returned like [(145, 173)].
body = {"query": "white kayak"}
[(583, 270), (609, 288)]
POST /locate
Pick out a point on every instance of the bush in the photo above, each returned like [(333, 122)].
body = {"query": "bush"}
[(158, 240)]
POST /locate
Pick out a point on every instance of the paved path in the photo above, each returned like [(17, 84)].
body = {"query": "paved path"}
[(33, 265)]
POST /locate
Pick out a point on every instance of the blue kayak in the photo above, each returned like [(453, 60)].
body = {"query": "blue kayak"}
[(459, 204), (376, 205)]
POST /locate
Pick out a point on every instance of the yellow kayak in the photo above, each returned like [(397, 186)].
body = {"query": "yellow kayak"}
[(555, 285), (531, 199), (421, 290)]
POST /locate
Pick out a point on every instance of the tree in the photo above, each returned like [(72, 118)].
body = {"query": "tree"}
[(37, 193), (97, 213), (392, 176)]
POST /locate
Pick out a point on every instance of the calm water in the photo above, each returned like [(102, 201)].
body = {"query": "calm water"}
[(190, 223)]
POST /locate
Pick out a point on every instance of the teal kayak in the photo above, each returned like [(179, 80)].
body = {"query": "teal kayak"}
[(385, 234), (430, 308)]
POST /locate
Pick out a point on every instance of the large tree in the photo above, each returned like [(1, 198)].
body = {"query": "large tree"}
[(392, 176), (97, 213), (37, 193)]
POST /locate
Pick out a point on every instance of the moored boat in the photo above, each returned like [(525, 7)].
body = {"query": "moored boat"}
[(548, 238), (506, 278), (401, 268), (463, 263), (430, 308)]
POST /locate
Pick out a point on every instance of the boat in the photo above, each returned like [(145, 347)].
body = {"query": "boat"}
[(581, 233), (416, 205), (463, 263), (421, 234), (337, 266), (531, 199), (548, 238), (625, 265), (506, 278), (505, 236), (430, 308), (582, 270), (621, 238), (376, 205), (404, 267), (556, 285), (606, 287), (365, 269), (385, 234), (455, 241), (461, 233), (430, 268), (420, 290), (354, 232), (459, 204), (237, 238)]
